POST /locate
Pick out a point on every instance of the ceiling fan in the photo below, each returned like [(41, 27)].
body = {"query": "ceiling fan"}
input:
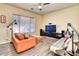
[(40, 6)]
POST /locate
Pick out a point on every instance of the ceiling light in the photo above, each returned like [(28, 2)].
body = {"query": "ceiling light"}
[(40, 7)]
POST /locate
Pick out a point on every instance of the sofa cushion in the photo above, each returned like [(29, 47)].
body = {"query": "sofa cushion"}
[(25, 37), (19, 36)]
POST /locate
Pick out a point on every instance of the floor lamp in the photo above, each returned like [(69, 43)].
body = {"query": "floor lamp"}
[(11, 24)]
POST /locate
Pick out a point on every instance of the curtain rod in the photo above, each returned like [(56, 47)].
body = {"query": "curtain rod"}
[(22, 15)]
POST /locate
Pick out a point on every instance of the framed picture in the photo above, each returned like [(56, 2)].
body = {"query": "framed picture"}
[(2, 19)]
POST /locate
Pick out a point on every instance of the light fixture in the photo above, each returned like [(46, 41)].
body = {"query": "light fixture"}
[(40, 6), (15, 22)]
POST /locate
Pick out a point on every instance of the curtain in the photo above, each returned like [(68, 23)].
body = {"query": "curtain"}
[(24, 24), (16, 26)]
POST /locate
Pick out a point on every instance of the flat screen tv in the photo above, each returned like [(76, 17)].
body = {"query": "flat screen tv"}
[(50, 28)]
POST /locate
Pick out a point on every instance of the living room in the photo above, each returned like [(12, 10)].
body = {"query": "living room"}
[(28, 19)]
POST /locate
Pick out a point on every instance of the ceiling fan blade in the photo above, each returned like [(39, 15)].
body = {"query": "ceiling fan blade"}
[(46, 3)]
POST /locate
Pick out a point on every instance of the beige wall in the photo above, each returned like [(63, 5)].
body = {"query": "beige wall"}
[(9, 11), (62, 17)]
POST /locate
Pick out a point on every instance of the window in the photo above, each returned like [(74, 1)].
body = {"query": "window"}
[(24, 24), (16, 26), (32, 25)]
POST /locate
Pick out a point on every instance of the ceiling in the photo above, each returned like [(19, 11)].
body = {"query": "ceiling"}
[(33, 7)]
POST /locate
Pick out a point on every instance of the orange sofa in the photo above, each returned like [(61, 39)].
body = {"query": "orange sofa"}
[(22, 43)]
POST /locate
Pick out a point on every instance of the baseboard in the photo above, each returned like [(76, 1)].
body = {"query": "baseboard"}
[(5, 42)]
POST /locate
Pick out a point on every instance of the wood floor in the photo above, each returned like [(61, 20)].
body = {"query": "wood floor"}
[(41, 49)]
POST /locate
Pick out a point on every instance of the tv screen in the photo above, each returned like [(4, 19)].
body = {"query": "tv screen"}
[(50, 28)]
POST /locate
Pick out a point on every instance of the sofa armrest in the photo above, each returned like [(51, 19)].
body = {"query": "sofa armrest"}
[(26, 44), (15, 39)]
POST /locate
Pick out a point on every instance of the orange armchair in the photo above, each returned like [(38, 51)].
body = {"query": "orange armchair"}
[(22, 43)]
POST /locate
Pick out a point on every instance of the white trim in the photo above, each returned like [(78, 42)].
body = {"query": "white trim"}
[(5, 42)]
